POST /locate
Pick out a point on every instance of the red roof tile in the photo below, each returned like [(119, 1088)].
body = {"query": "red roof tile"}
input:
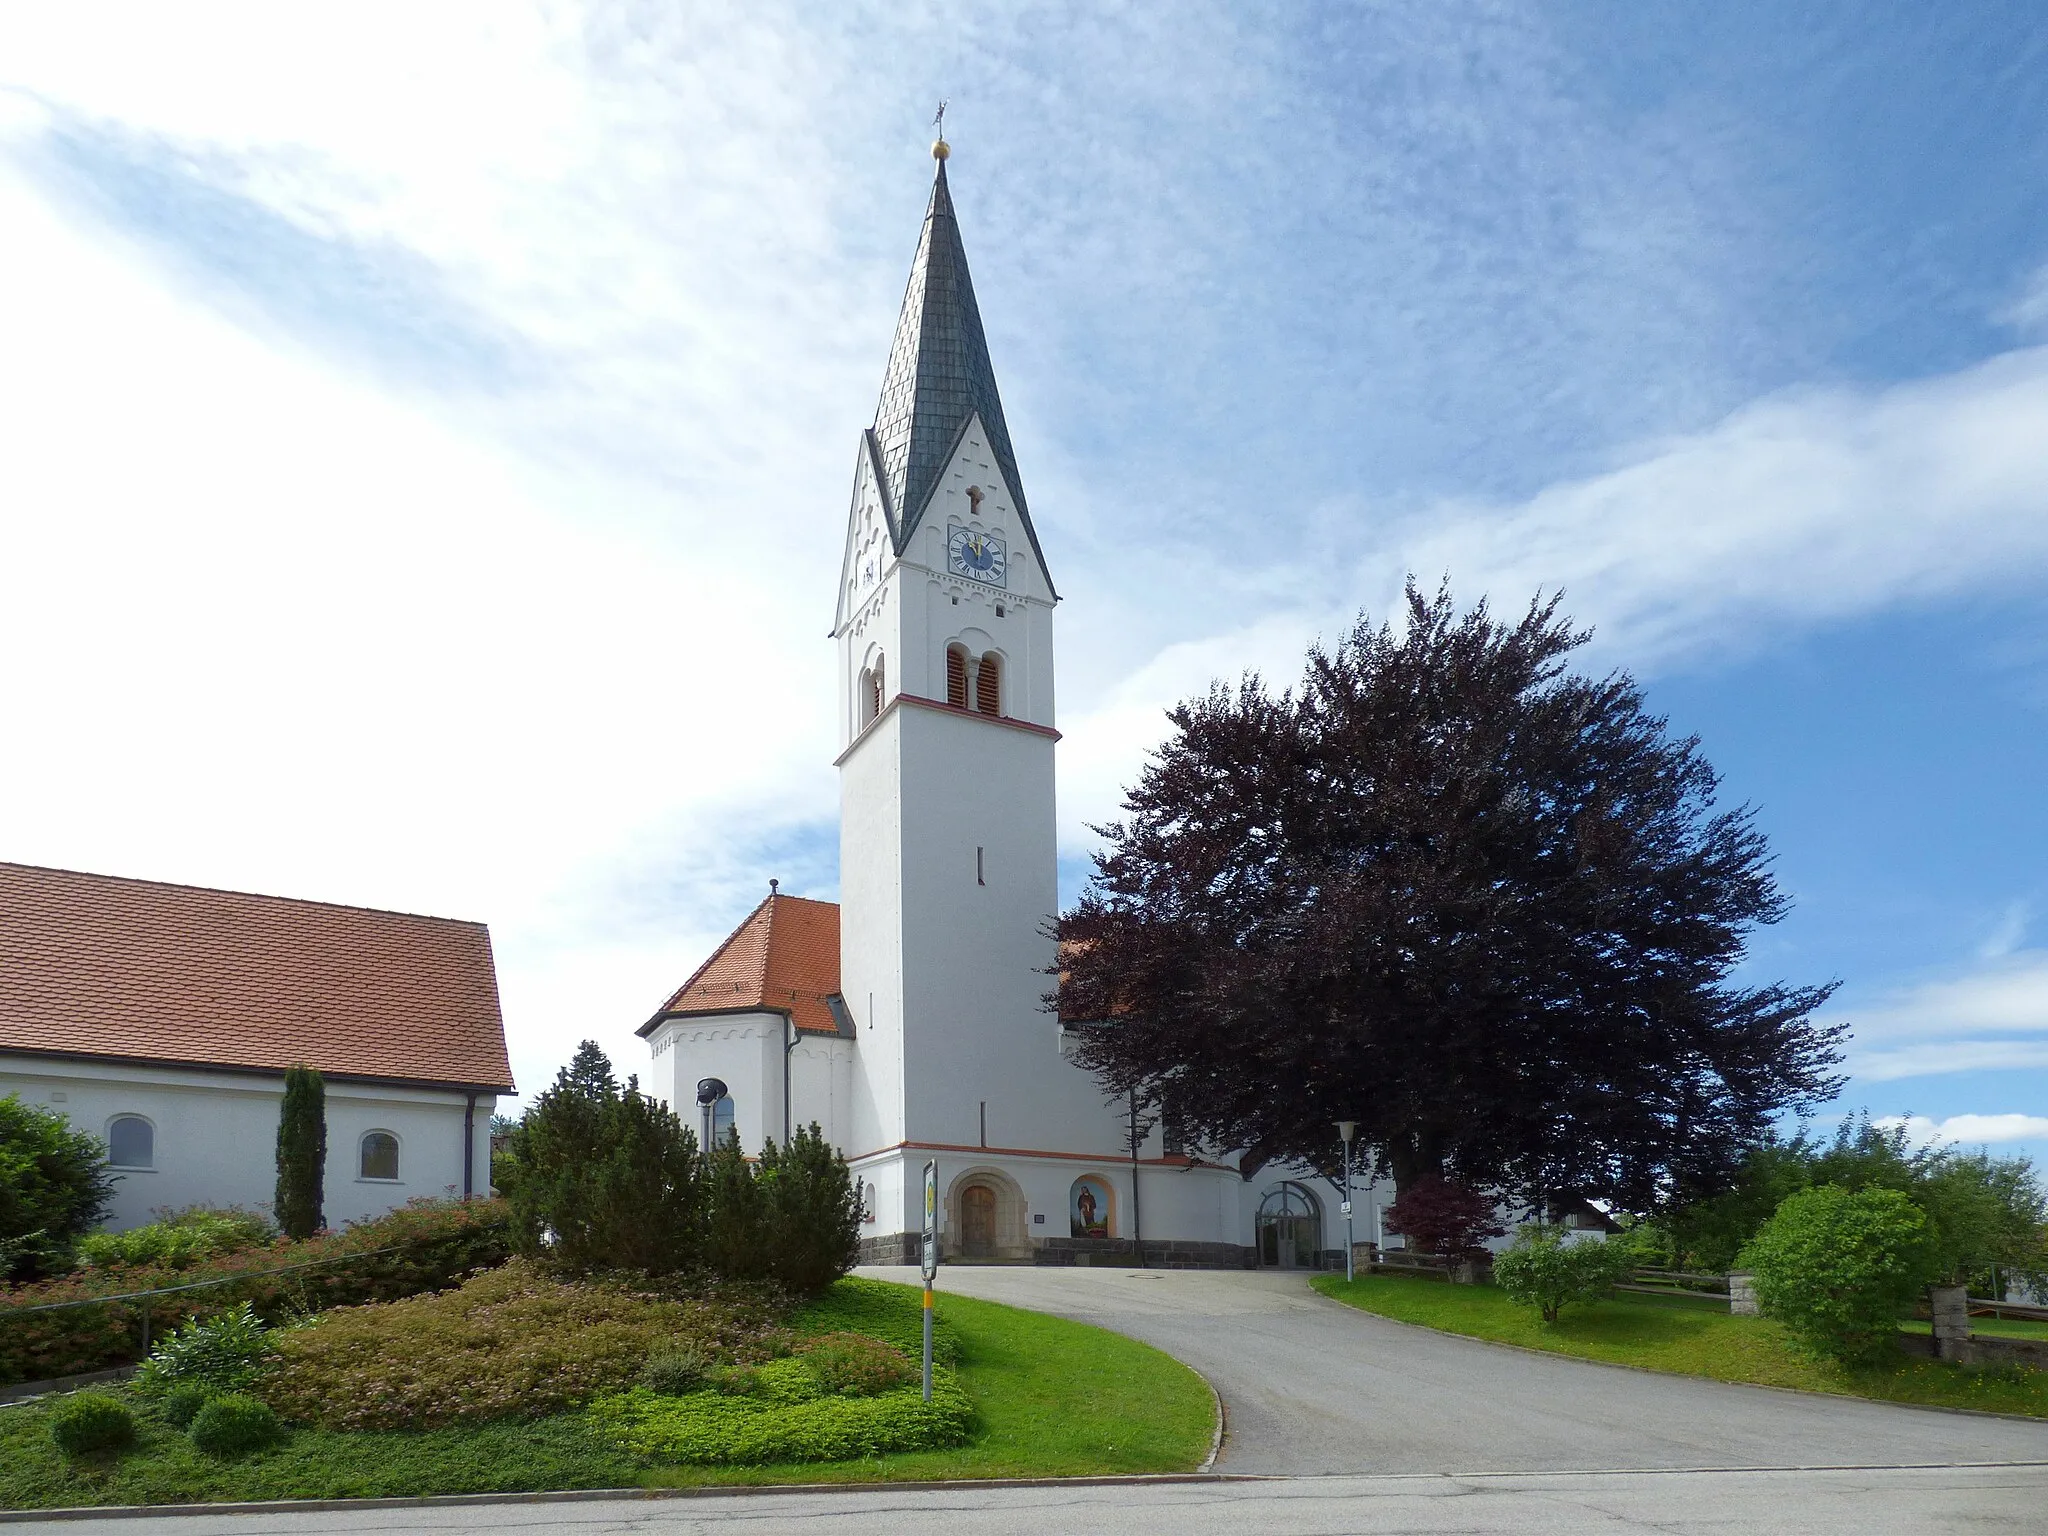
[(96, 965), (784, 957)]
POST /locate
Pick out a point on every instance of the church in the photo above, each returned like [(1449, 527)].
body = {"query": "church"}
[(908, 1020)]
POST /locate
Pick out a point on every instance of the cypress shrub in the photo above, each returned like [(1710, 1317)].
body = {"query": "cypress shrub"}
[(54, 1187), (301, 1153), (737, 1244)]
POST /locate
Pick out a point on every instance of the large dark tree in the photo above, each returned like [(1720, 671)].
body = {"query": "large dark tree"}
[(1454, 891)]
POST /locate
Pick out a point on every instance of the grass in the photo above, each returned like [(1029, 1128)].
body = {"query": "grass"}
[(1053, 1399), (1690, 1339)]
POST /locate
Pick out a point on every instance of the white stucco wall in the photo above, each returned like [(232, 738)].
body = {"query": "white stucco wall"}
[(215, 1135), (745, 1050)]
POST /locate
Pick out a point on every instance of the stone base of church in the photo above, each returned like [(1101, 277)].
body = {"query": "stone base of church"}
[(1150, 1253), (892, 1248)]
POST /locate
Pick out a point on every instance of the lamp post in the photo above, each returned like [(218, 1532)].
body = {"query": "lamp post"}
[(709, 1091), (1346, 1129)]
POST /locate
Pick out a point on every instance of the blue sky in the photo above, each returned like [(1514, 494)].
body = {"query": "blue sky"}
[(434, 433)]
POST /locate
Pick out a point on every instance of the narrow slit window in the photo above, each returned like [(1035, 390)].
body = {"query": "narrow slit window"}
[(956, 677), (980, 869), (988, 687)]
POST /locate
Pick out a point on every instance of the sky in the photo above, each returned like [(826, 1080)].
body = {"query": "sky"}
[(425, 435)]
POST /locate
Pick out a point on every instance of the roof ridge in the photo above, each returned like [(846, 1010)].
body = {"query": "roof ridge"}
[(230, 890)]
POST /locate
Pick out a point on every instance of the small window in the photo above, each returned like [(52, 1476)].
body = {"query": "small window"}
[(988, 686), (956, 676), (721, 1121), (379, 1156), (131, 1142)]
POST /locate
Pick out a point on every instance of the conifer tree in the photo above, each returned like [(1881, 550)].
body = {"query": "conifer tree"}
[(301, 1153)]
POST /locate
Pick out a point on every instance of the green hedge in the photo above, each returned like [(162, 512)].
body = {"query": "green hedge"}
[(437, 1243), (711, 1429)]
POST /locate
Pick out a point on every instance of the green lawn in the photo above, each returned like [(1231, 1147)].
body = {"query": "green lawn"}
[(1669, 1334), (1055, 1399)]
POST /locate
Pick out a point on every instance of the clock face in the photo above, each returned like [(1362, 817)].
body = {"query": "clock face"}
[(978, 555)]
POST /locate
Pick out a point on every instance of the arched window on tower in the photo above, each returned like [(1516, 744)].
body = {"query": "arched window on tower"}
[(956, 676), (988, 685), (873, 691)]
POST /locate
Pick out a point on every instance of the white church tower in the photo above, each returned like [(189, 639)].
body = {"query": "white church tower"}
[(909, 1020), (948, 879)]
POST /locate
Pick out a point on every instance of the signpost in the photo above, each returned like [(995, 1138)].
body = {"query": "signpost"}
[(1346, 1130), (930, 1263)]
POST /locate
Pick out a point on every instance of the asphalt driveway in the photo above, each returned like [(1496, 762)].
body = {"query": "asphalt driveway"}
[(1310, 1386)]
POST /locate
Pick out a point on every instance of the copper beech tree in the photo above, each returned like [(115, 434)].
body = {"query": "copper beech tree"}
[(1448, 888)]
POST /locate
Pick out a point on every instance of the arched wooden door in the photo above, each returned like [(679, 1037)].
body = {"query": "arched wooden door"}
[(978, 1222)]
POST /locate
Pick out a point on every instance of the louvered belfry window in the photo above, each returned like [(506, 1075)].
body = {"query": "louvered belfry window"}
[(956, 677), (988, 687)]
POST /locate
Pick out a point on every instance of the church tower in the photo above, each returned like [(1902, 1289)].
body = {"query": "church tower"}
[(947, 853)]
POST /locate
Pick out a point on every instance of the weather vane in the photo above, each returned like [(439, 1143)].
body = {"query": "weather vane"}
[(939, 150)]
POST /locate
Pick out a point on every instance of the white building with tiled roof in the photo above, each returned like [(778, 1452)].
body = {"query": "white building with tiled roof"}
[(909, 1020), (161, 1018)]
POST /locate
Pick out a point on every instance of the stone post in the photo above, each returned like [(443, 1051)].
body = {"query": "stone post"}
[(1950, 1305), (1741, 1293)]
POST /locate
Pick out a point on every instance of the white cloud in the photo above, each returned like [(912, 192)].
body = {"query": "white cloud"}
[(1969, 1130), (2008, 932), (1993, 1017)]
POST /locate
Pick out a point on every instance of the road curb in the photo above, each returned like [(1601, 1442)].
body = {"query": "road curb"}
[(598, 1495), (1651, 1370)]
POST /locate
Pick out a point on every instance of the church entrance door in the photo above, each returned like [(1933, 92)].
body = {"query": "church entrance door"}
[(978, 1222), (1290, 1228)]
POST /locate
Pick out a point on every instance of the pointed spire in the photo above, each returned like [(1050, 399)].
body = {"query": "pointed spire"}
[(939, 373)]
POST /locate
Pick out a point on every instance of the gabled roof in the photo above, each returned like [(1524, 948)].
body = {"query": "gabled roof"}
[(939, 378), (137, 970), (784, 958)]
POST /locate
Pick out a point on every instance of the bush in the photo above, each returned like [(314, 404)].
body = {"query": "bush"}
[(607, 1179), (1838, 1268), (515, 1342), (222, 1353), (1548, 1270), (301, 1154), (706, 1429), (1446, 1218), (54, 1188), (235, 1425), (91, 1421), (181, 1404), (812, 1213), (672, 1370), (854, 1365), (179, 1240), (436, 1243)]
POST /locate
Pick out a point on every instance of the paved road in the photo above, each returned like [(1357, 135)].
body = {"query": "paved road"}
[(1312, 1387), (1673, 1504)]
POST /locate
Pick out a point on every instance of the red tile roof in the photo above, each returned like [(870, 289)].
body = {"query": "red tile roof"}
[(784, 957), (96, 965)]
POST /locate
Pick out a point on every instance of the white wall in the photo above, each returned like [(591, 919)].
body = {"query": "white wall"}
[(216, 1135), (745, 1050)]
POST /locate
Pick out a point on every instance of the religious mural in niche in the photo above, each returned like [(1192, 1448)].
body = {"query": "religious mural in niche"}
[(1089, 1207)]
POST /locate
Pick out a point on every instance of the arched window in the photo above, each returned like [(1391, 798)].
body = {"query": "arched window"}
[(956, 676), (379, 1156), (878, 687), (988, 686), (1091, 1207), (131, 1142), (721, 1121)]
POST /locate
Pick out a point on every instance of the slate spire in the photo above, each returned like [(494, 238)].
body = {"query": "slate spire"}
[(939, 375)]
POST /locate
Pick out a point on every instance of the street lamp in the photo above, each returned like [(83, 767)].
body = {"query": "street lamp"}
[(709, 1091), (1347, 1129)]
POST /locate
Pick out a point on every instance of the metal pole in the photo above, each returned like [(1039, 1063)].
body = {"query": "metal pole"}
[(927, 1341), (1346, 1130)]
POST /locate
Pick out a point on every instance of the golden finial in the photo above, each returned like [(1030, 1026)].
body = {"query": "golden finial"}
[(940, 148)]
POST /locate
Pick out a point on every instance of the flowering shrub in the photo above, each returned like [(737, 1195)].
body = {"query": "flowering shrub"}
[(179, 1240), (222, 1353), (437, 1243), (515, 1342)]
